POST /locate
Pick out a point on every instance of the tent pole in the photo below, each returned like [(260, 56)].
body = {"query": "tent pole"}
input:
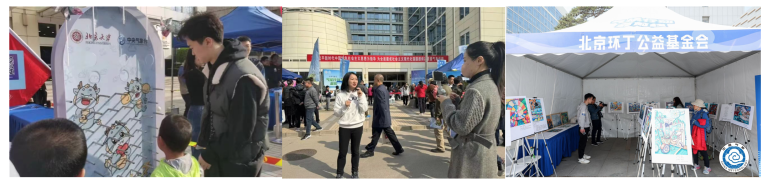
[(539, 61), (729, 62), (601, 66), (662, 57)]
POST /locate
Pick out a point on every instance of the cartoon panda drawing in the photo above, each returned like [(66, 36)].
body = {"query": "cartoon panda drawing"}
[(117, 147), (136, 95), (86, 97)]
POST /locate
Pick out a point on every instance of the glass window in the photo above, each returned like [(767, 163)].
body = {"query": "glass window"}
[(463, 12), (358, 37), (46, 30)]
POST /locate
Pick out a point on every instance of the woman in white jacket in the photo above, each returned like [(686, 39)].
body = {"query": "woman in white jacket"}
[(405, 91), (350, 107)]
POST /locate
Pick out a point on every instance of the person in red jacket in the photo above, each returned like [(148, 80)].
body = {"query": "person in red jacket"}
[(699, 124), (421, 97)]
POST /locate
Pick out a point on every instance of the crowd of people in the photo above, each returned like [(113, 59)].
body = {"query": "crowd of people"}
[(467, 113), (223, 92)]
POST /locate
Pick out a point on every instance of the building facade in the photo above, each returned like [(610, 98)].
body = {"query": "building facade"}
[(750, 19), (533, 19), (722, 15)]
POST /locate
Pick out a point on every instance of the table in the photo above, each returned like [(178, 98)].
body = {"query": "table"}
[(561, 144), (23, 115)]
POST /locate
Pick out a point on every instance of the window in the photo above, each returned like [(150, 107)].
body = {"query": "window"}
[(463, 12), (705, 19), (357, 27), (46, 30), (356, 53), (464, 39), (358, 37), (384, 53), (45, 54)]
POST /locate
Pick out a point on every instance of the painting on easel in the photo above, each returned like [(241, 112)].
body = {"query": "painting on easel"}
[(671, 133)]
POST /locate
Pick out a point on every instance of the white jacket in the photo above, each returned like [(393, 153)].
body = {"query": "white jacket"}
[(354, 115), (583, 117), (404, 91)]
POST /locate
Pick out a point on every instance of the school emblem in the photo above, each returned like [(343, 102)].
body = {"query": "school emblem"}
[(734, 157)]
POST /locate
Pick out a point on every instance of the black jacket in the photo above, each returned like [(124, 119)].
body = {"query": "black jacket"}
[(195, 80), (381, 117), (288, 100), (299, 92)]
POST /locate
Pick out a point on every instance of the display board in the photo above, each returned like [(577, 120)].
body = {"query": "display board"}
[(564, 118), (645, 125), (557, 120), (537, 114), (726, 112), (712, 109), (616, 107), (518, 118), (671, 133), (670, 105), (742, 115), (689, 106), (549, 122), (110, 83), (633, 108)]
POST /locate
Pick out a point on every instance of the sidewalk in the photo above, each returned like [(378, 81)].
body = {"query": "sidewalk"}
[(316, 157), (403, 119)]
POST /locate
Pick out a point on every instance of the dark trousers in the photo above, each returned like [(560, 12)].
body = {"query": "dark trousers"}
[(405, 100), (289, 114), (583, 142), (422, 105), (227, 168), (345, 136), (704, 154), (186, 103), (317, 115), (300, 114), (390, 135), (598, 129), (431, 108), (500, 132)]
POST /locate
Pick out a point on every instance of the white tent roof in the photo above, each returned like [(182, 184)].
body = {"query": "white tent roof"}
[(640, 65)]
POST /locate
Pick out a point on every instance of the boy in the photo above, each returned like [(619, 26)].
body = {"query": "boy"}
[(173, 138), (49, 148)]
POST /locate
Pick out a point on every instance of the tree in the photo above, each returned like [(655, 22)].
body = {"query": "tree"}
[(580, 14)]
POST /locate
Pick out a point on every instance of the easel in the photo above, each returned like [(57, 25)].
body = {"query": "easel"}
[(524, 165), (646, 150)]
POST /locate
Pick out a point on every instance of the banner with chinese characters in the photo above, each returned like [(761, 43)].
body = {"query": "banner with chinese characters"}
[(638, 42), (377, 58)]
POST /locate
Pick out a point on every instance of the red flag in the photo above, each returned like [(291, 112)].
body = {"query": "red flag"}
[(36, 71)]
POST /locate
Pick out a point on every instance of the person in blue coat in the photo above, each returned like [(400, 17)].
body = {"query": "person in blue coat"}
[(700, 137), (382, 121)]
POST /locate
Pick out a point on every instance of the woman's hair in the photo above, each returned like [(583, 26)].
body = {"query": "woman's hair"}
[(189, 64), (493, 53), (677, 102), (345, 82)]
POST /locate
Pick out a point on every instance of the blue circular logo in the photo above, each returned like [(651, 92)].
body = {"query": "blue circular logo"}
[(121, 39), (734, 157)]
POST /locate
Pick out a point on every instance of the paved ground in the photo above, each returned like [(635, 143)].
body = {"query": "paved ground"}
[(270, 170), (616, 158)]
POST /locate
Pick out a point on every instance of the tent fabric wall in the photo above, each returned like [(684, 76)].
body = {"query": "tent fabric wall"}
[(561, 91), (733, 83), (635, 90)]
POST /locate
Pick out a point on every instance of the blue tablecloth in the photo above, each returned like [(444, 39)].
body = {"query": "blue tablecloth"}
[(275, 102), (560, 146), (21, 116)]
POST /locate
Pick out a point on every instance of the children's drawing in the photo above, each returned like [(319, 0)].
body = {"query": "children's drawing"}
[(117, 147), (671, 134), (742, 115), (518, 112), (645, 125), (557, 120), (86, 98), (670, 105), (633, 107), (537, 112), (642, 113), (616, 107), (549, 122), (564, 118), (689, 106), (713, 109), (136, 95)]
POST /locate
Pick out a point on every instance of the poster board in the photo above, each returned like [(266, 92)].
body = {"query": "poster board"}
[(713, 108), (642, 113), (564, 119), (726, 112), (689, 106), (671, 133), (110, 82), (645, 125), (633, 108), (670, 105), (616, 107), (557, 120), (518, 119), (742, 115), (17, 78), (538, 115)]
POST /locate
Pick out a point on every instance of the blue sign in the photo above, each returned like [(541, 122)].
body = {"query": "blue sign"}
[(17, 76), (637, 41), (419, 75), (332, 78), (344, 66)]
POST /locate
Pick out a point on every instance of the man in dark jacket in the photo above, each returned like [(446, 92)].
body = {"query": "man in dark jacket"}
[(234, 126), (299, 92), (596, 116), (288, 104), (381, 119)]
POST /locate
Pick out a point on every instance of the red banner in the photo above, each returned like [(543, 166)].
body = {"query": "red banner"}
[(377, 58), (36, 71)]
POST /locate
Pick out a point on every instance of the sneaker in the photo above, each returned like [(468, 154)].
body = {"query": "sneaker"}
[(339, 175), (695, 167), (306, 137), (707, 170), (583, 161), (599, 142), (319, 129), (587, 157), (437, 150), (355, 175), (398, 153), (594, 144), (366, 154)]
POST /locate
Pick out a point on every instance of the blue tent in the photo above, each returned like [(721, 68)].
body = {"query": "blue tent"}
[(451, 68), (263, 27), (288, 75)]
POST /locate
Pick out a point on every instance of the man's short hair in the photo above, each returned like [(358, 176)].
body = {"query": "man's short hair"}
[(49, 148), (588, 95), (264, 58), (451, 76), (243, 39), (176, 132), (379, 77), (200, 26)]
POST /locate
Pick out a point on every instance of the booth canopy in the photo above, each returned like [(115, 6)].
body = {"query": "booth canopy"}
[(637, 42), (288, 75), (263, 27), (451, 68)]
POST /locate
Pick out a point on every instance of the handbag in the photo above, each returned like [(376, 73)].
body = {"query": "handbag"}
[(433, 124)]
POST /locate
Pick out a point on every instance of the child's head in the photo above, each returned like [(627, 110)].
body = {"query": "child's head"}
[(50, 148), (175, 134)]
